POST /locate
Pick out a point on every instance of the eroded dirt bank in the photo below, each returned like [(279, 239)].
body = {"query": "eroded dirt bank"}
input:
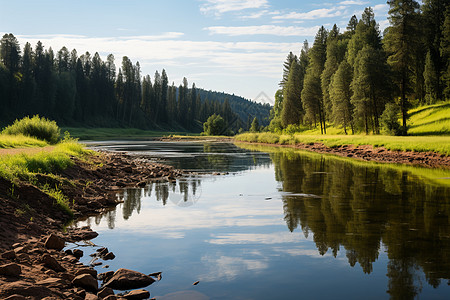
[(370, 153), (31, 268)]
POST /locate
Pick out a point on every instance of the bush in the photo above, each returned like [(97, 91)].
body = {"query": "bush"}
[(215, 125), (389, 118), (37, 127)]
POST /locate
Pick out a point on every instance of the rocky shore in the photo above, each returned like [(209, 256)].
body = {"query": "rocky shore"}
[(370, 153), (33, 263)]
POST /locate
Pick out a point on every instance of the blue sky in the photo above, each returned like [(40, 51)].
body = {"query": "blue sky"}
[(235, 46)]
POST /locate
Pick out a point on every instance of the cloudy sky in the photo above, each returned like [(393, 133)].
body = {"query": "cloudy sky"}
[(235, 46)]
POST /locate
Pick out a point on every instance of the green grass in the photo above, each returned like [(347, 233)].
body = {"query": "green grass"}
[(430, 120), (118, 133), (439, 177), (25, 167), (20, 141), (439, 144), (40, 128)]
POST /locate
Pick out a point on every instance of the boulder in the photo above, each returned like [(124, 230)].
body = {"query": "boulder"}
[(109, 256), (9, 254), (137, 295), (89, 271), (86, 281), (54, 242), (11, 269), (78, 253), (51, 263), (103, 293), (90, 297), (52, 283), (124, 279), (105, 276)]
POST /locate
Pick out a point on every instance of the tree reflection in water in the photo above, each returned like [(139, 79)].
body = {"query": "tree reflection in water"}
[(362, 207)]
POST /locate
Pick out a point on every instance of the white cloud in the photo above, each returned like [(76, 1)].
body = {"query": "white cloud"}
[(263, 29), (218, 7), (228, 268), (314, 14), (254, 238), (353, 2)]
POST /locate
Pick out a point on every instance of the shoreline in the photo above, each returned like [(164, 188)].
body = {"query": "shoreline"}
[(371, 153), (29, 268)]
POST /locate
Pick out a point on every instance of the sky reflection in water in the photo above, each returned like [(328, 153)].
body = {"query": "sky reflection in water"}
[(282, 225)]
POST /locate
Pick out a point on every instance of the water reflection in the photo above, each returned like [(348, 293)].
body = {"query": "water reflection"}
[(290, 209), (363, 207)]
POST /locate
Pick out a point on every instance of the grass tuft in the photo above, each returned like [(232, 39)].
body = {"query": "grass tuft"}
[(37, 127)]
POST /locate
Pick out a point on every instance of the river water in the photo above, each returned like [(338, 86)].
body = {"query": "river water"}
[(272, 223)]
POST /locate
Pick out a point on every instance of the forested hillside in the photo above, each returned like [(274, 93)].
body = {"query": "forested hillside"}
[(84, 90), (363, 80)]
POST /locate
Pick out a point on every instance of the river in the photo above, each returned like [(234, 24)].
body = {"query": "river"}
[(275, 223)]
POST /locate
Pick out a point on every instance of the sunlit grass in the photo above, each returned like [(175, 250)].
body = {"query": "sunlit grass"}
[(20, 141), (37, 127)]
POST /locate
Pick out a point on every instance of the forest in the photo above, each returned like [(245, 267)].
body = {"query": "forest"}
[(84, 91), (363, 80)]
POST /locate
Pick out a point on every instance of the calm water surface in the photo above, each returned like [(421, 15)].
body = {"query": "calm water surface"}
[(281, 225)]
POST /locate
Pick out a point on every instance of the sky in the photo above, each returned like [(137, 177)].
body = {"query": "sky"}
[(234, 46)]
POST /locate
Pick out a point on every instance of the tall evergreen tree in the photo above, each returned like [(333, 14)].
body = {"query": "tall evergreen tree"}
[(431, 80), (292, 112), (286, 67), (400, 41), (445, 54), (340, 92), (311, 95)]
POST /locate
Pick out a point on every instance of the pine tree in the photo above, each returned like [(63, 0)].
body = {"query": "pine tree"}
[(286, 67), (341, 94), (445, 54), (431, 80), (311, 95), (292, 111), (400, 41)]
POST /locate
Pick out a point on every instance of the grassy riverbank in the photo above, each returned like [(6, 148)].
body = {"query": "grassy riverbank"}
[(438, 144)]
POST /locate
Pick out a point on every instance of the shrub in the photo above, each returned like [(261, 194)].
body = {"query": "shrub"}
[(215, 125), (389, 118), (40, 128)]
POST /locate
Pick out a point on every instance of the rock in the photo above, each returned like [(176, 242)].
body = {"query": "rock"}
[(98, 263), (9, 254), (105, 276), (68, 252), (51, 263), (105, 292), (90, 297), (84, 234), (78, 253), (102, 251), (86, 281), (11, 269), (54, 242), (16, 297), (67, 276), (109, 256), (20, 250), (52, 282), (26, 289), (89, 271), (124, 279), (79, 292), (137, 295)]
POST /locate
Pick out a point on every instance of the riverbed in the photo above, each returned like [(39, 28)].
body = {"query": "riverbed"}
[(265, 223)]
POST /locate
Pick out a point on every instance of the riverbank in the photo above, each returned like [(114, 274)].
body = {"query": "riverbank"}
[(434, 154), (28, 215)]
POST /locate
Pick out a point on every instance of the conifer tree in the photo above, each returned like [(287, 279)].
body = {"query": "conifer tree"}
[(292, 111), (431, 80), (341, 94), (400, 41)]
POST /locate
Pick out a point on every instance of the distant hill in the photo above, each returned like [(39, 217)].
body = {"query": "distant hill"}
[(244, 108)]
